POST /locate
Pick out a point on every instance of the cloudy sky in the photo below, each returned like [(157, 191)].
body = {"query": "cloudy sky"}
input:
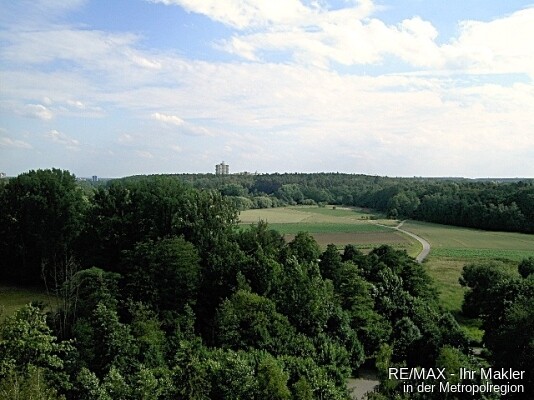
[(386, 87)]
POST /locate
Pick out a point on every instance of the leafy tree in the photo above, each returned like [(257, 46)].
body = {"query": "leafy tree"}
[(304, 248), (191, 372), (526, 267), (148, 334), (30, 384), (164, 274), (248, 320), (272, 380), (27, 342), (232, 375), (104, 342), (511, 340), (487, 285), (42, 216), (305, 298), (330, 263)]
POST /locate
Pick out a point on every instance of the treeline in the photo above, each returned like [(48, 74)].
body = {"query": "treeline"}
[(162, 296), (489, 205)]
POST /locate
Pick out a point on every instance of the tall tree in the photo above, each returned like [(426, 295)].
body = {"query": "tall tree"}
[(42, 214)]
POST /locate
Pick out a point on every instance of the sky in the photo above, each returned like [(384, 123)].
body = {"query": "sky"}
[(381, 87)]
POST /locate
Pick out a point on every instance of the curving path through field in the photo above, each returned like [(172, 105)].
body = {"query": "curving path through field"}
[(426, 246)]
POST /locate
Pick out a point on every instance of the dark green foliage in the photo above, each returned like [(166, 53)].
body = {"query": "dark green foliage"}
[(304, 248), (91, 287), (504, 302), (305, 298), (104, 342), (526, 267), (272, 380), (30, 384), (42, 213), (248, 320), (164, 274), (512, 339), (30, 352), (488, 285), (176, 302), (330, 263)]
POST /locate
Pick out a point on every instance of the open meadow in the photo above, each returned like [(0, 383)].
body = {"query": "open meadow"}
[(14, 297), (451, 247), (337, 225)]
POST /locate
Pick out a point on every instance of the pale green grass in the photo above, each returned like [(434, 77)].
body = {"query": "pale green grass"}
[(454, 247), (334, 224), (14, 297), (308, 214), (326, 227), (450, 237)]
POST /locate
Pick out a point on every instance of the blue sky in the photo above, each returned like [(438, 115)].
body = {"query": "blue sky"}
[(397, 88)]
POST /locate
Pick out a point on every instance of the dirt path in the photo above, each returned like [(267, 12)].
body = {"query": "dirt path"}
[(426, 246), (366, 382)]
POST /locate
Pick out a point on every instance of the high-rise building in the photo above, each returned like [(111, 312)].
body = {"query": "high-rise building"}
[(94, 178), (222, 169)]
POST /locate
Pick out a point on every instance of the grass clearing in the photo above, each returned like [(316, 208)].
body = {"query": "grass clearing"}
[(327, 227), (14, 297), (451, 247), (337, 225), (454, 247)]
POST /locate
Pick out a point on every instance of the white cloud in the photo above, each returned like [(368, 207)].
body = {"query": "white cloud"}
[(144, 154), (125, 138), (63, 139), (14, 143), (316, 35), (499, 46), (300, 114), (168, 119), (244, 14), (38, 111)]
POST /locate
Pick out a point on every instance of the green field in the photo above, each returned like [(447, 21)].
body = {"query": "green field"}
[(454, 247), (310, 214), (12, 298), (451, 247), (337, 225)]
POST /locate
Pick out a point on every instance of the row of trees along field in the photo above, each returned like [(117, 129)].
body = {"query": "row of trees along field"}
[(162, 296), (491, 205)]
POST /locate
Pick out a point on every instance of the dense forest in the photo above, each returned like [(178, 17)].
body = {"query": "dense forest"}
[(161, 295), (506, 205)]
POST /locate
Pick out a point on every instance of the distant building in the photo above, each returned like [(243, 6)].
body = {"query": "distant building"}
[(2, 175), (94, 178), (222, 169)]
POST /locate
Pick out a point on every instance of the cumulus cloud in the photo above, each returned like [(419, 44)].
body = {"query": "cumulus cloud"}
[(242, 14), (498, 46), (294, 109), (168, 119), (314, 34)]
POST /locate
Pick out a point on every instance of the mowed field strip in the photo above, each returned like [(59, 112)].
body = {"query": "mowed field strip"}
[(454, 247), (339, 225)]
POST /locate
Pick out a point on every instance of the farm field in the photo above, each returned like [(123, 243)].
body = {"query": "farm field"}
[(451, 247), (454, 247), (339, 225)]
